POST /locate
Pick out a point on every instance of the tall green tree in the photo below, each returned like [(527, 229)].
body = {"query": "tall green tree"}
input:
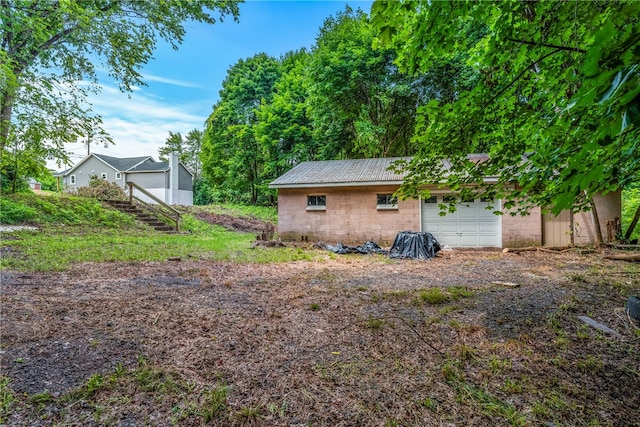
[(232, 159), (361, 105), (50, 51), (188, 149), (173, 144), (556, 104), (284, 129)]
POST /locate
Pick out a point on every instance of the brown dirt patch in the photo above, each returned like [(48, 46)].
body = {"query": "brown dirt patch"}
[(343, 342), (235, 223)]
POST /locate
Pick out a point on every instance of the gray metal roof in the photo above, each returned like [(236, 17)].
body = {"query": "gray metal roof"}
[(122, 164), (336, 173), (151, 167)]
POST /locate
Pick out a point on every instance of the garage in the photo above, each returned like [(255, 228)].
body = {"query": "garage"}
[(471, 225)]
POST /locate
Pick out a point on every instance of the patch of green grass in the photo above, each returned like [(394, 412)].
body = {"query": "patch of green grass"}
[(60, 210), (458, 292), (215, 403), (489, 404), (374, 323), (58, 250), (7, 398), (314, 306), (434, 296)]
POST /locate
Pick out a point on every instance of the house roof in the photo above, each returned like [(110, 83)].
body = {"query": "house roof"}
[(343, 173), (122, 164), (150, 167), (119, 164), (338, 173)]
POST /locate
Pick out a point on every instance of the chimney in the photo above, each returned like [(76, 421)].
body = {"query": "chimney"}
[(174, 173)]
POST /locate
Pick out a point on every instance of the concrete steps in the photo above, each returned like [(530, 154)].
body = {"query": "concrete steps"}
[(141, 215)]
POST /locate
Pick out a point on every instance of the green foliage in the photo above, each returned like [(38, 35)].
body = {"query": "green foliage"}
[(215, 403), (188, 149), (94, 234), (361, 105), (59, 209), (630, 204), (49, 59), (232, 160), (7, 399), (101, 189), (555, 103), (434, 296)]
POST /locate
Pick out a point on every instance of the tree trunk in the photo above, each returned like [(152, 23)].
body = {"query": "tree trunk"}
[(596, 222), (6, 110), (633, 224)]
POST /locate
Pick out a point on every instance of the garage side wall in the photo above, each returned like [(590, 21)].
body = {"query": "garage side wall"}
[(351, 215), (519, 231), (609, 207)]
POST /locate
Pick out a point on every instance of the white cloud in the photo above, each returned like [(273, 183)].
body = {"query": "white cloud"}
[(140, 124), (174, 82)]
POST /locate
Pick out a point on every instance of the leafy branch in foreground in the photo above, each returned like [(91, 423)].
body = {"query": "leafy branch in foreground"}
[(556, 105)]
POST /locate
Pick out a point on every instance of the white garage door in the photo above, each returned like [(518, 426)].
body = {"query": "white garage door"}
[(471, 225)]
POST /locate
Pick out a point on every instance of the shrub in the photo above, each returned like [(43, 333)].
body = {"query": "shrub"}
[(15, 212), (102, 189)]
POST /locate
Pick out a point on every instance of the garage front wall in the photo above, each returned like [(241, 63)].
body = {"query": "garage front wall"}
[(350, 216)]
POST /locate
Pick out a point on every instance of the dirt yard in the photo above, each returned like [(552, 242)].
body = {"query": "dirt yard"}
[(348, 341)]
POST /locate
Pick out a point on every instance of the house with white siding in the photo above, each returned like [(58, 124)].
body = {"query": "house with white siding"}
[(169, 181)]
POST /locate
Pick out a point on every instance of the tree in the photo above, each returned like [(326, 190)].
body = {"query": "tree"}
[(173, 144), (187, 148), (556, 104), (361, 105), (51, 49), (284, 129), (231, 156)]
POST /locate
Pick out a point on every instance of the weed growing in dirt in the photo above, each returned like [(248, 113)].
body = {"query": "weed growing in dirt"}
[(248, 415), (434, 296), (6, 398), (489, 404), (215, 403)]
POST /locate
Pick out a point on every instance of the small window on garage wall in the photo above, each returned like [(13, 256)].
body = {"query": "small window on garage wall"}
[(118, 175), (72, 179), (316, 202), (386, 201), (103, 175)]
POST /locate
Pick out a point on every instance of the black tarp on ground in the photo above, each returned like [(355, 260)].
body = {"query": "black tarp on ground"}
[(412, 244), (369, 247)]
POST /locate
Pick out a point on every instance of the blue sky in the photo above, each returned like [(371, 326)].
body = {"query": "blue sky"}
[(183, 85)]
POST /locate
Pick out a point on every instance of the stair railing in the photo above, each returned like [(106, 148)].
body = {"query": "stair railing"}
[(162, 209)]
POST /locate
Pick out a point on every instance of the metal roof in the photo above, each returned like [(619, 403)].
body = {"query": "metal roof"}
[(150, 167), (122, 164), (336, 173)]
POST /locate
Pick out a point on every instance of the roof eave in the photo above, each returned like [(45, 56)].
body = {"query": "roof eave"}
[(489, 179), (335, 184)]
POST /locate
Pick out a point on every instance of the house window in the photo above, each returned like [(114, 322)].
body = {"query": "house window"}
[(486, 199), (387, 201), (316, 203), (468, 199), (118, 175), (72, 180), (103, 175), (432, 199)]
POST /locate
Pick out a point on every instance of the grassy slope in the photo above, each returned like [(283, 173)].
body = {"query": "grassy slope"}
[(75, 229)]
